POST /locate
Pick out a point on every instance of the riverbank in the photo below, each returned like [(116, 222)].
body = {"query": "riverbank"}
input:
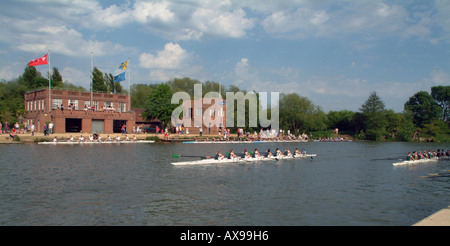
[(39, 137), (440, 218)]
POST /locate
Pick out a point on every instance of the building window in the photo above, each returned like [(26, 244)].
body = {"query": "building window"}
[(73, 103), (199, 112), (56, 103), (122, 107), (95, 105)]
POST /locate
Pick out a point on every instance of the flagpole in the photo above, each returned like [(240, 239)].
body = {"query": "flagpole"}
[(49, 85), (129, 81), (92, 78)]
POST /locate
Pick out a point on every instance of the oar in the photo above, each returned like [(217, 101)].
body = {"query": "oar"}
[(196, 156)]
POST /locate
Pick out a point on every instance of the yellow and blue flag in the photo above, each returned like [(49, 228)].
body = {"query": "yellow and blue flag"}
[(124, 65), (119, 77)]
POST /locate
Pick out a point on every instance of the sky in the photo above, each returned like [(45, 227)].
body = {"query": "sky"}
[(334, 52)]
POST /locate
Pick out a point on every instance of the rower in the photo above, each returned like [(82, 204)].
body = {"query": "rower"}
[(256, 154), (297, 152), (219, 156), (245, 154), (278, 152), (303, 152), (287, 152), (81, 139), (420, 156), (268, 153), (71, 139), (426, 155), (409, 157), (232, 154)]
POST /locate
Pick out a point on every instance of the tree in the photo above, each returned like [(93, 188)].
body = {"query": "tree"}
[(373, 112), (118, 87), (140, 93), (185, 84), (299, 113), (424, 108), (30, 76), (441, 95), (158, 105), (341, 120), (98, 82), (57, 80)]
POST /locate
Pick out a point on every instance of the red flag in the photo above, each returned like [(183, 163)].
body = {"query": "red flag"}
[(39, 61)]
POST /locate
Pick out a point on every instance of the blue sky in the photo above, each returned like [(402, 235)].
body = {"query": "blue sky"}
[(332, 52)]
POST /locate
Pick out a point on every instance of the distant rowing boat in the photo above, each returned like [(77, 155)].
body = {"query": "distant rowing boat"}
[(101, 142), (236, 142), (239, 159), (401, 163)]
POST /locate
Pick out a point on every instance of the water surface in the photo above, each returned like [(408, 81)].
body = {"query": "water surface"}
[(348, 183)]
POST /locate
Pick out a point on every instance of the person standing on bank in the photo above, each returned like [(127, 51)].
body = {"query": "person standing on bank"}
[(50, 127)]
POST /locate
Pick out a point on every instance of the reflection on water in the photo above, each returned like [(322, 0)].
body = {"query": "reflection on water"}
[(351, 183)]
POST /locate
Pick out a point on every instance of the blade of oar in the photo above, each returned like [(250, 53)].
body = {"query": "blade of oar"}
[(197, 156)]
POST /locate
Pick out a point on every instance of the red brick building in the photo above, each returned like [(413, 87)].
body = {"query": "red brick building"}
[(76, 111), (210, 108)]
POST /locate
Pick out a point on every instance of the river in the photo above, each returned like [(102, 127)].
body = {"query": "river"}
[(348, 183)]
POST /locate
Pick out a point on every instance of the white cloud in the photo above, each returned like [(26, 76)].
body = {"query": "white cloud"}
[(214, 22), (145, 12), (244, 74), (170, 62), (368, 18), (171, 57)]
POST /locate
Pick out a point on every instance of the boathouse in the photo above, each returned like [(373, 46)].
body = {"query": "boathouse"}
[(206, 115), (79, 111)]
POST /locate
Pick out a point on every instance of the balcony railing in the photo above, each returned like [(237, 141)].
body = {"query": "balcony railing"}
[(77, 90)]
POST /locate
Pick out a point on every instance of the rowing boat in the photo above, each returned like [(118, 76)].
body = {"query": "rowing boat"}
[(245, 141), (239, 159), (401, 163), (101, 142)]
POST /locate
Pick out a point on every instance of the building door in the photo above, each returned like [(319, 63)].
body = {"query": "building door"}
[(98, 126), (73, 125), (117, 126)]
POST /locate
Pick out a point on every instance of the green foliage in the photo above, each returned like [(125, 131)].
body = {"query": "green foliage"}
[(374, 117), (140, 93), (343, 120), (158, 105), (300, 113), (437, 131), (98, 81), (424, 108), (441, 95)]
